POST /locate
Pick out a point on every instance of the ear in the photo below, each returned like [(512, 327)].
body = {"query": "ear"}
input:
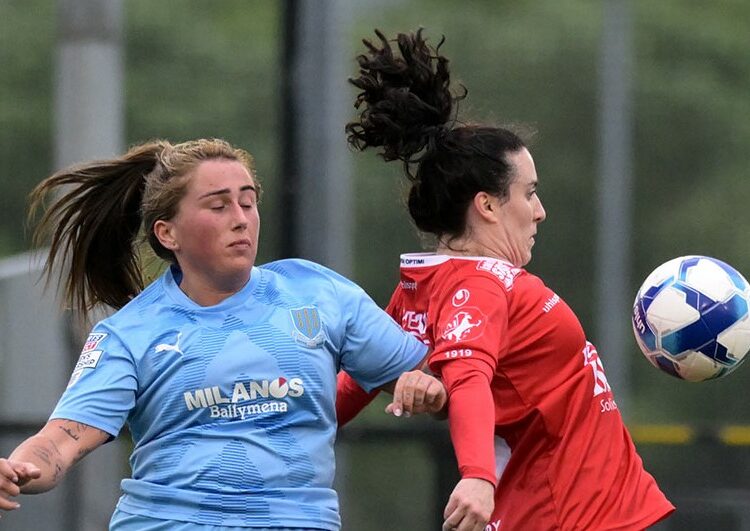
[(485, 206), (165, 233)]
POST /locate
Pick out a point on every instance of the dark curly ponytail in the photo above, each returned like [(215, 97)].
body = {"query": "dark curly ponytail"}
[(407, 109)]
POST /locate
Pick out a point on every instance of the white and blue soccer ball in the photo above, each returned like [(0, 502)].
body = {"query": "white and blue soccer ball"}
[(691, 318)]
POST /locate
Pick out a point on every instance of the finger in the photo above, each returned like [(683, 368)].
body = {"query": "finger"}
[(8, 487), (397, 403), (450, 508), (6, 470), (451, 524), (8, 505), (437, 397), (28, 471), (422, 383), (407, 391), (469, 524), (11, 489)]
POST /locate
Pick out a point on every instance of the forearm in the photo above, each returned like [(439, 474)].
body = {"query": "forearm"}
[(350, 398), (55, 449), (45, 454), (472, 433), (471, 417)]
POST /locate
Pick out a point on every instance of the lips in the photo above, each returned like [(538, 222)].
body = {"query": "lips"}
[(241, 243)]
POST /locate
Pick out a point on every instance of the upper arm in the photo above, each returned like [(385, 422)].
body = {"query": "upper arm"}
[(471, 323), (375, 349), (102, 389)]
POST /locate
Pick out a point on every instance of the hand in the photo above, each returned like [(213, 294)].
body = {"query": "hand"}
[(417, 392), (13, 476), (469, 506)]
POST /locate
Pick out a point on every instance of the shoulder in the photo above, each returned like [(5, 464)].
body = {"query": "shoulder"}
[(494, 275), (499, 271), (306, 273), (290, 266), (137, 308)]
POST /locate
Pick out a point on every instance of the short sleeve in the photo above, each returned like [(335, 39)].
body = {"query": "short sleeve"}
[(375, 349), (471, 322), (102, 389)]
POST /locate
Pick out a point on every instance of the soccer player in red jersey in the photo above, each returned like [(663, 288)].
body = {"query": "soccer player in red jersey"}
[(537, 433)]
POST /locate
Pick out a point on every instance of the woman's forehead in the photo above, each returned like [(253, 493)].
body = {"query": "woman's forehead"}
[(219, 173)]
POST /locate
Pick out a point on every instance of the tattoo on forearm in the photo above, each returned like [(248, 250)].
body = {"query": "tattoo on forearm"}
[(70, 433), (74, 429), (50, 455), (42, 453), (58, 472)]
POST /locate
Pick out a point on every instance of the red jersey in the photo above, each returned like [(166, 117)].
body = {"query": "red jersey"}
[(517, 365)]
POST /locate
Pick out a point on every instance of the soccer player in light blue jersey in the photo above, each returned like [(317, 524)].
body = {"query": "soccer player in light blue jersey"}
[(223, 371)]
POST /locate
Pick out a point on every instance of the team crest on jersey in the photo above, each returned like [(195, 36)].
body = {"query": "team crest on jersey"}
[(308, 330), (505, 272), (465, 324)]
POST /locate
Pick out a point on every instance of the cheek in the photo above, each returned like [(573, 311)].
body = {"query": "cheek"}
[(254, 222), (201, 232)]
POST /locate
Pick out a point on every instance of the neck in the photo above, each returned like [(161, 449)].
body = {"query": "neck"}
[(211, 293), (466, 247)]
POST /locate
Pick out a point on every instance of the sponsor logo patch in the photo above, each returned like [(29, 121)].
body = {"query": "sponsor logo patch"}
[(248, 399), (408, 285), (414, 323), (591, 359), (461, 297), (88, 360), (550, 303), (502, 270), (166, 347)]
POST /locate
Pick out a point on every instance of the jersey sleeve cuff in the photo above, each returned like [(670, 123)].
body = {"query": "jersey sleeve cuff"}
[(478, 473)]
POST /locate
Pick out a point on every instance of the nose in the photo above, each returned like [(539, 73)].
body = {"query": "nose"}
[(239, 216), (539, 213)]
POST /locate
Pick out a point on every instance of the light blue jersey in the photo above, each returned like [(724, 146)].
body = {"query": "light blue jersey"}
[(231, 407)]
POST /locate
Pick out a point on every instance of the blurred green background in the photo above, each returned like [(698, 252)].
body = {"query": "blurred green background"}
[(212, 68)]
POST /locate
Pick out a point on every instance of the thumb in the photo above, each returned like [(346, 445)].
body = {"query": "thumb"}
[(26, 471)]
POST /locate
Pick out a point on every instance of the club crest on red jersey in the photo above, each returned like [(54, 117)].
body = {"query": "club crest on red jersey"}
[(464, 324)]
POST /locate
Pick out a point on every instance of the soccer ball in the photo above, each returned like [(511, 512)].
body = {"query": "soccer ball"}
[(691, 318)]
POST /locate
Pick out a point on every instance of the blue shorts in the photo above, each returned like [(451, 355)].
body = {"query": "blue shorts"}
[(122, 521)]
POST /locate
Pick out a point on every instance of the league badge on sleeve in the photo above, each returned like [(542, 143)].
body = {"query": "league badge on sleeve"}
[(92, 342), (89, 357)]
